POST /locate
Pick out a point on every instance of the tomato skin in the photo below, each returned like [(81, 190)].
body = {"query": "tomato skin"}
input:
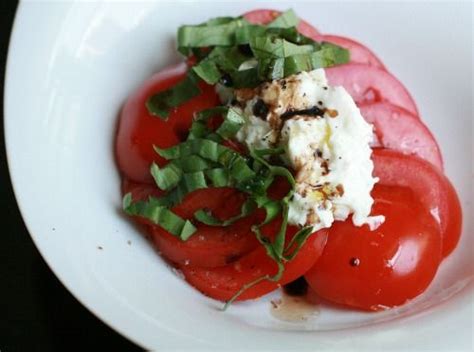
[(138, 130), (223, 282), (431, 187), (264, 16), (210, 246), (369, 84), (397, 129), (374, 270)]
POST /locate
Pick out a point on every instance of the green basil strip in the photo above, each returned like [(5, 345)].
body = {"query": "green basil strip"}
[(272, 208), (269, 151), (228, 59), (233, 121), (207, 218), (245, 78), (217, 33), (202, 147), (193, 163), (329, 55), (292, 35), (285, 20), (167, 177), (243, 35), (219, 61), (208, 71), (198, 130), (210, 150), (204, 115), (270, 47), (279, 241), (271, 69), (299, 239), (219, 177), (275, 170), (160, 103), (193, 181), (160, 216)]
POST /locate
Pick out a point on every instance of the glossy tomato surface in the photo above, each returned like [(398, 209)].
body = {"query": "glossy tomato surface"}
[(430, 186), (223, 282), (374, 270), (369, 84), (138, 130), (396, 128)]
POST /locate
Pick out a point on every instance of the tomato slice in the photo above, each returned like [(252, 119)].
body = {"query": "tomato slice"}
[(264, 16), (138, 131), (210, 246), (398, 129), (360, 54), (368, 84), (375, 270), (223, 282), (431, 187)]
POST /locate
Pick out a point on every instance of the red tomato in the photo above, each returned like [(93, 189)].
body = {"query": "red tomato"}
[(397, 129), (374, 270), (369, 84), (430, 186), (138, 130), (360, 54), (139, 191), (210, 246), (266, 16), (222, 283)]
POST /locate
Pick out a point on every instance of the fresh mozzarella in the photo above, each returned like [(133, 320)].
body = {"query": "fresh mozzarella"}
[(326, 142)]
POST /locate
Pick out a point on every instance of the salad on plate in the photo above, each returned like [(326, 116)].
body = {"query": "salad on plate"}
[(276, 155)]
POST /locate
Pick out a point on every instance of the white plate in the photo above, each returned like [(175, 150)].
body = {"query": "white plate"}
[(71, 66)]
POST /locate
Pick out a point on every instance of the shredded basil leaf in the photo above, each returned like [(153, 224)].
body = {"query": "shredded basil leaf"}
[(213, 33), (299, 239), (160, 103), (219, 177), (159, 215), (246, 78), (193, 163), (233, 121), (272, 47), (208, 71), (167, 177)]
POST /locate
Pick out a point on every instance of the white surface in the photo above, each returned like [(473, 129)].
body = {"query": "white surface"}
[(71, 66)]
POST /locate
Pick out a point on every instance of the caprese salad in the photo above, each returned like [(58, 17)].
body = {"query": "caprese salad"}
[(275, 153)]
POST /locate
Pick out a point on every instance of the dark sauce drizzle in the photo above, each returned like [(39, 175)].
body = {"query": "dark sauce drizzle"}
[(299, 287), (313, 111)]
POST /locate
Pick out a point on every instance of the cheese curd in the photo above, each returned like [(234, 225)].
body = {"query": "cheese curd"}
[(326, 141)]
